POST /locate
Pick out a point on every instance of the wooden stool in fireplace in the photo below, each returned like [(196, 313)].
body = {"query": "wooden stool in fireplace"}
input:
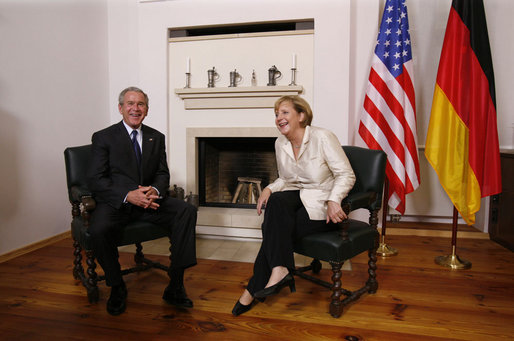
[(245, 187)]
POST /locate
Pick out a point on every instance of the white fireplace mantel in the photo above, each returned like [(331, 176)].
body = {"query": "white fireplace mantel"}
[(235, 97)]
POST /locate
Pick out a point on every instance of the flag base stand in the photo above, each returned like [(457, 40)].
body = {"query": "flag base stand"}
[(385, 250), (453, 261)]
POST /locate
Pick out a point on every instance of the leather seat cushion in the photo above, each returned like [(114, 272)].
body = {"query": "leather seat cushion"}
[(134, 232), (330, 246)]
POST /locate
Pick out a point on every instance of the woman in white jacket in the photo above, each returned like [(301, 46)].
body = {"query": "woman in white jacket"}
[(314, 176)]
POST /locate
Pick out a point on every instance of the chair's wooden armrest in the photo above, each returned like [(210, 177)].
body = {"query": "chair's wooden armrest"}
[(88, 203), (352, 202), (343, 229), (358, 200), (346, 207), (83, 196), (78, 192)]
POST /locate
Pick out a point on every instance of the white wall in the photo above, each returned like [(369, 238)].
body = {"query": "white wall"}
[(499, 24), (53, 94)]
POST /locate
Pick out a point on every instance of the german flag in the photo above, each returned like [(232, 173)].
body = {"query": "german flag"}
[(462, 139)]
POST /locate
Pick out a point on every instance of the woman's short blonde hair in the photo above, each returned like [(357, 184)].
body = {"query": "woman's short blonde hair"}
[(300, 105)]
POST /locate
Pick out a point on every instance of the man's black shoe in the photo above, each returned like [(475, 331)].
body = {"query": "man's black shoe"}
[(116, 303), (177, 297)]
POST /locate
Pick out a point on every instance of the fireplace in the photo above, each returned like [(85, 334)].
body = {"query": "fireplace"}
[(225, 219), (233, 170)]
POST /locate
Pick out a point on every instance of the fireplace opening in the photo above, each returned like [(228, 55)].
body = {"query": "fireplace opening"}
[(233, 170)]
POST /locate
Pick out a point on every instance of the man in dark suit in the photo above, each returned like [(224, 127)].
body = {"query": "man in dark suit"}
[(129, 177)]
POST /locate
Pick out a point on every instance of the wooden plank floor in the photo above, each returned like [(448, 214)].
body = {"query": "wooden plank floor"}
[(416, 300)]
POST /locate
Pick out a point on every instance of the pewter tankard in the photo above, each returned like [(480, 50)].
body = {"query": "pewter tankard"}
[(235, 77), (193, 199), (177, 192), (212, 76), (273, 75)]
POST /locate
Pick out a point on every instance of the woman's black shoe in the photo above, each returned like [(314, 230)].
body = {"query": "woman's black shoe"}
[(288, 280), (240, 308)]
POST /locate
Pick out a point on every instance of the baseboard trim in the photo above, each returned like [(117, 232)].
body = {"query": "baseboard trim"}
[(395, 231), (34, 246)]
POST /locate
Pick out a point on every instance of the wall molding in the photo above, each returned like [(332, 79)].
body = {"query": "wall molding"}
[(235, 97)]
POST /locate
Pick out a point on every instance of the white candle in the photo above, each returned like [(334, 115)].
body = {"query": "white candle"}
[(294, 61), (188, 65)]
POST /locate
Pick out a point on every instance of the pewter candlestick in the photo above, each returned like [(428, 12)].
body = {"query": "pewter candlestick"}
[(293, 77), (188, 80)]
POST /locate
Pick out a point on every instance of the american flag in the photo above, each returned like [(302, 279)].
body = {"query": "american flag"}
[(388, 121)]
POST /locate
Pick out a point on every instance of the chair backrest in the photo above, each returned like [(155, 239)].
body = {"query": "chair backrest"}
[(369, 168), (77, 162)]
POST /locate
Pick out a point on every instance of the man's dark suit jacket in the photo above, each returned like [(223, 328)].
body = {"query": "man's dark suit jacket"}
[(114, 170)]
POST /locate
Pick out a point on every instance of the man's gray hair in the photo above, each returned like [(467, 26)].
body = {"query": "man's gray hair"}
[(131, 88)]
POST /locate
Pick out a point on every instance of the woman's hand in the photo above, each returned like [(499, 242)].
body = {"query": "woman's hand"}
[(335, 213), (263, 199)]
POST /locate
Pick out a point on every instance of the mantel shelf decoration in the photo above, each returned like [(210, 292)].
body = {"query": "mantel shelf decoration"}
[(235, 97)]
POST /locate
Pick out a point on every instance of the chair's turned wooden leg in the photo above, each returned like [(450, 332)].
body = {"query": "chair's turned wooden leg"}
[(336, 308), (169, 266), (139, 256), (373, 219), (77, 260), (372, 283), (91, 286), (78, 270)]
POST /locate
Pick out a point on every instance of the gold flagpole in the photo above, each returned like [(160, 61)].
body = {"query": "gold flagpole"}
[(453, 261), (385, 250)]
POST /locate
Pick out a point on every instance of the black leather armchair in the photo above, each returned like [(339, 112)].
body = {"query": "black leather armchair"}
[(83, 203), (353, 237)]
